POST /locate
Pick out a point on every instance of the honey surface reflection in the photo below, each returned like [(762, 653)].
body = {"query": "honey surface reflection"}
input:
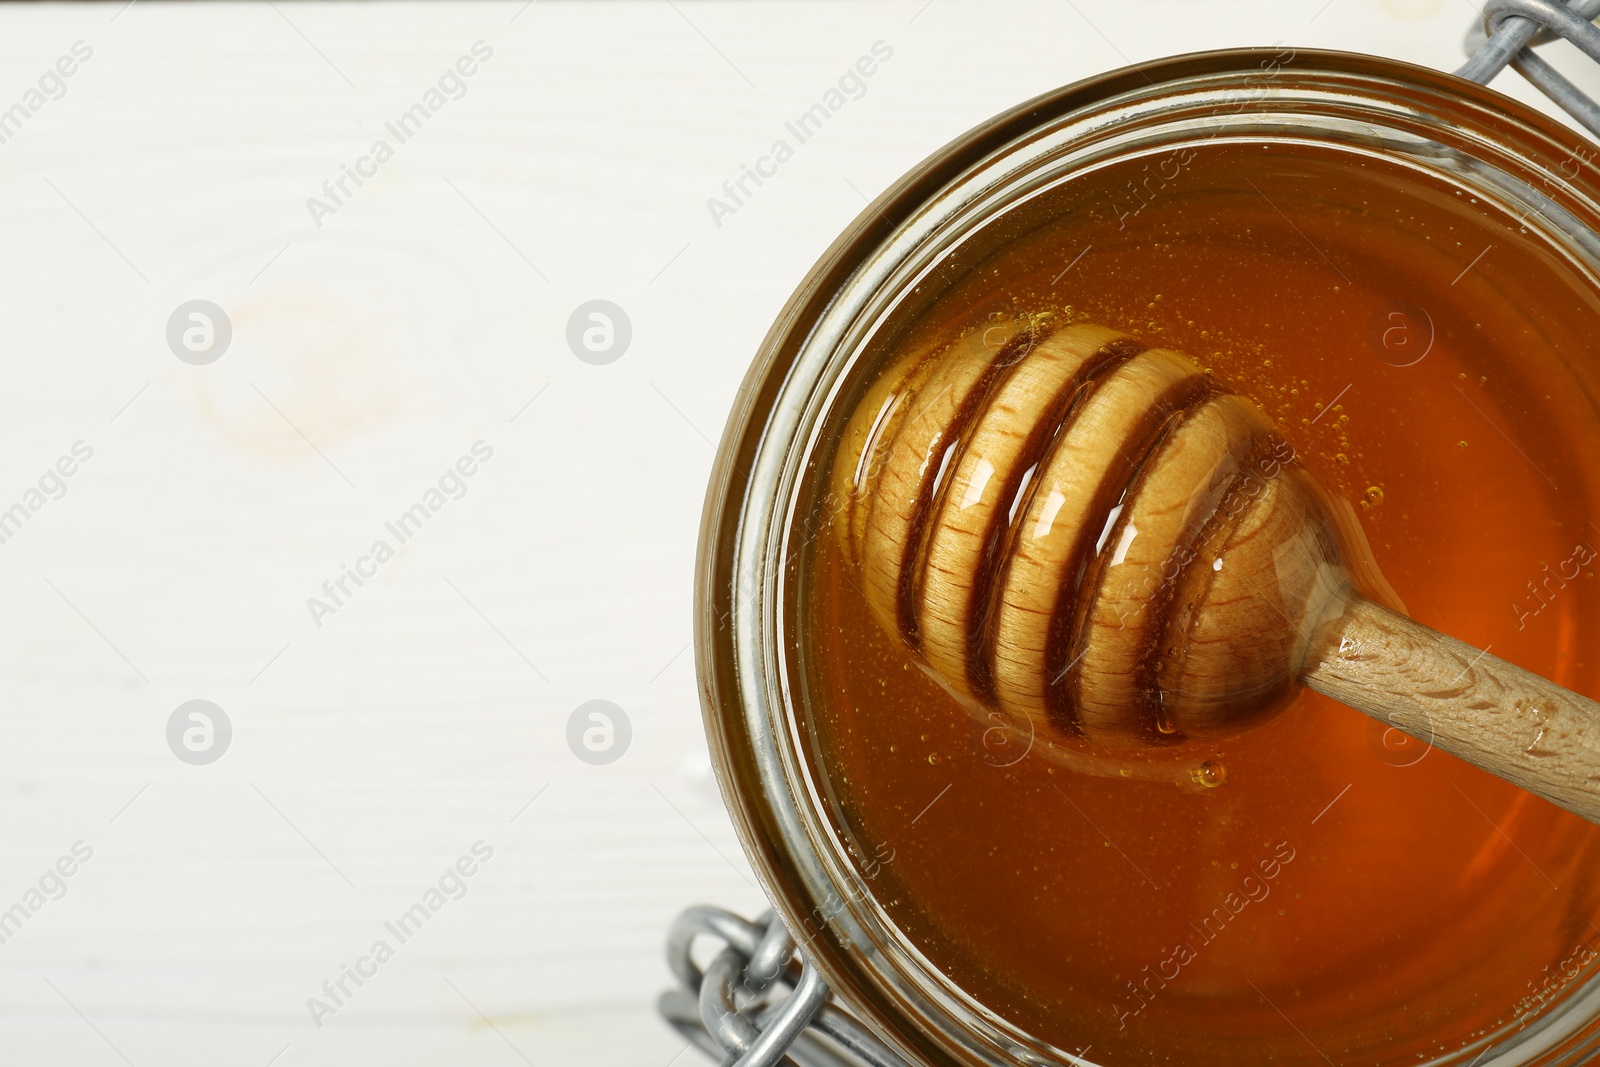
[(1319, 887)]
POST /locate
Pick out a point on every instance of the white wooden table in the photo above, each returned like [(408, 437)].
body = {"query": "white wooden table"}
[(373, 345)]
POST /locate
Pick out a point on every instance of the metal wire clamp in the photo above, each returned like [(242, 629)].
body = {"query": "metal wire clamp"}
[(759, 1002), (1506, 38)]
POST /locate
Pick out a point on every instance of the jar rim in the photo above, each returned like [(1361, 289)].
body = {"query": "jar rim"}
[(742, 572)]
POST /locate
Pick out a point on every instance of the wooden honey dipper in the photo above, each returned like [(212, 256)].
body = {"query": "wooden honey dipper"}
[(1094, 535)]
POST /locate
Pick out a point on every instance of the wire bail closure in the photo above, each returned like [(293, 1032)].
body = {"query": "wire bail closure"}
[(1510, 30), (760, 1002)]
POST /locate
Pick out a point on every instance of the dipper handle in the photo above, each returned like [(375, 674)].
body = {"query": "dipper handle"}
[(1490, 713)]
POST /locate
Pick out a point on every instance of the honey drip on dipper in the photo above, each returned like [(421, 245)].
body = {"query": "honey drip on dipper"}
[(1096, 538)]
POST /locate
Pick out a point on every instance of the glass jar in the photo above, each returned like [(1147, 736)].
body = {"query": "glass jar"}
[(767, 500)]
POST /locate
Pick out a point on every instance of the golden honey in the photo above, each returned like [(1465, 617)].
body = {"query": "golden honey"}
[(1317, 888)]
